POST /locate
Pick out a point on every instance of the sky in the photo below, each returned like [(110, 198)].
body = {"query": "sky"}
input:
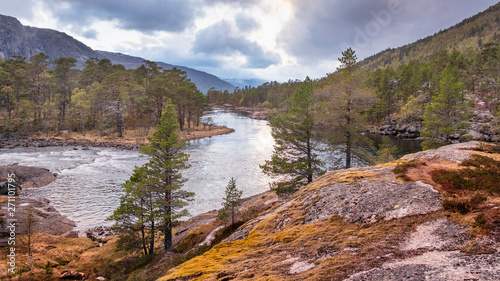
[(273, 40)]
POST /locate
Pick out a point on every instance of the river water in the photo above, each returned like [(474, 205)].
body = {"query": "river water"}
[(88, 185)]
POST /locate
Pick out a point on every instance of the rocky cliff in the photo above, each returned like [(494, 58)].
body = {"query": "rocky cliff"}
[(410, 219), (26, 41)]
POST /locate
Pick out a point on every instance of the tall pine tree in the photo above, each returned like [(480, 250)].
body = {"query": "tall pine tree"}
[(446, 117), (167, 160), (343, 104), (294, 153)]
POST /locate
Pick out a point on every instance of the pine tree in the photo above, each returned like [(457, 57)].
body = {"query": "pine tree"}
[(386, 151), (446, 116), (343, 102), (29, 223), (232, 201), (167, 160), (137, 216), (294, 153)]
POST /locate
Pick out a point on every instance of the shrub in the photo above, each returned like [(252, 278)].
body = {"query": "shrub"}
[(482, 173), (403, 168), (457, 205)]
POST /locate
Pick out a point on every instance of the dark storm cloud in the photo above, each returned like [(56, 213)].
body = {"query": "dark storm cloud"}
[(90, 34), (146, 16), (242, 3), (317, 31), (245, 22), (219, 39), (321, 29)]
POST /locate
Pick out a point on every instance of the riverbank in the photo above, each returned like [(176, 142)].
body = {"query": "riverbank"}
[(388, 221), (253, 113), (131, 139)]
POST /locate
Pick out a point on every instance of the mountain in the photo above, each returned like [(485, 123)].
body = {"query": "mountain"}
[(468, 35), (204, 81), (242, 83), (26, 41)]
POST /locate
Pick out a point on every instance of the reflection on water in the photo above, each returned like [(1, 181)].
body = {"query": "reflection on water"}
[(405, 146)]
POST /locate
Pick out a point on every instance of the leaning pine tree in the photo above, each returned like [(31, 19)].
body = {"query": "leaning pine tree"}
[(167, 159), (294, 154)]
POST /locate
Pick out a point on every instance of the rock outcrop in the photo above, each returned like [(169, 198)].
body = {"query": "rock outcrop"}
[(27, 176), (367, 224), (45, 218)]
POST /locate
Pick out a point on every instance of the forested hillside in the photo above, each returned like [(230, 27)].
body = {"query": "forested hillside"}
[(466, 36)]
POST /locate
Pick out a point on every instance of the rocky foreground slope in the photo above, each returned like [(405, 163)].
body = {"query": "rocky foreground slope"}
[(387, 222)]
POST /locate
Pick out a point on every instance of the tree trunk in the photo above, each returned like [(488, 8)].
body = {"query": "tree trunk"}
[(232, 215), (348, 150), (168, 221), (179, 117), (348, 131), (143, 240), (63, 113), (119, 119), (309, 159), (152, 241)]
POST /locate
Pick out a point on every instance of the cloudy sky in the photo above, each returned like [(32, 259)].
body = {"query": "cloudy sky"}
[(267, 39)]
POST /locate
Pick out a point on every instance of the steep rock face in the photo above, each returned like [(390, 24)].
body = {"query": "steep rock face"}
[(365, 224), (26, 41)]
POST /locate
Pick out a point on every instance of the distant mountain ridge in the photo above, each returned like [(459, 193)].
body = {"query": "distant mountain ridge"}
[(467, 35), (26, 41), (242, 83)]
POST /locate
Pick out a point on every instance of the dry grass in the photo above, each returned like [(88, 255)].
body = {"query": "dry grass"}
[(3, 199), (137, 136)]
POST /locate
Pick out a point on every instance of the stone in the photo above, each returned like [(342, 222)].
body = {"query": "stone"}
[(28, 176), (47, 219), (437, 266), (435, 235), (368, 201), (72, 275), (454, 152), (301, 266)]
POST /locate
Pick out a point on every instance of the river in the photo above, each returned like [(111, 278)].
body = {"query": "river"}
[(88, 185)]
